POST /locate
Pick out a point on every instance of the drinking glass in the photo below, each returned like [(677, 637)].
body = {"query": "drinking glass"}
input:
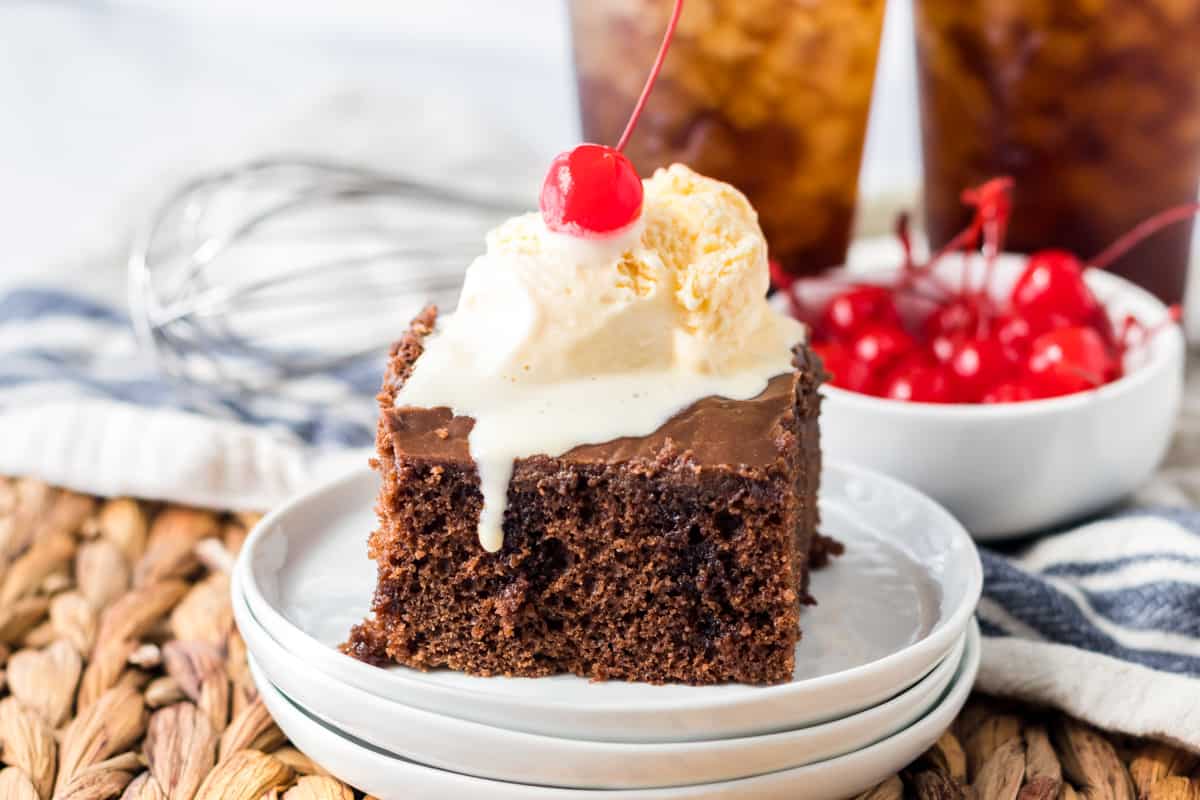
[(769, 95), (1092, 106)]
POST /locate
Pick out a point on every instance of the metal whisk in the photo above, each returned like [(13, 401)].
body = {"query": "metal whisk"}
[(261, 275)]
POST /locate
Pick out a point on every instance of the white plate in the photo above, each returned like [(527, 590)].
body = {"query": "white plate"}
[(890, 609), (390, 777), (499, 754)]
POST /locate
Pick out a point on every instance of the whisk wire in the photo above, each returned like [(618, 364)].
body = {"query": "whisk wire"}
[(268, 272)]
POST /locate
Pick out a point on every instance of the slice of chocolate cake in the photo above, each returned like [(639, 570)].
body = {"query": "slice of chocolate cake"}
[(606, 461), (678, 556)]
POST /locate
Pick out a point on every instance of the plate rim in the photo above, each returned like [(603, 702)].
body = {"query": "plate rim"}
[(938, 640), (954, 696)]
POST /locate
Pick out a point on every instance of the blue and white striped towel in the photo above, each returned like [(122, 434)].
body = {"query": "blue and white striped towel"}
[(1102, 621), (82, 407)]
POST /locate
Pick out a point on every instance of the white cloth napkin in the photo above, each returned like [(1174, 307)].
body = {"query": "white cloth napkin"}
[(1103, 622)]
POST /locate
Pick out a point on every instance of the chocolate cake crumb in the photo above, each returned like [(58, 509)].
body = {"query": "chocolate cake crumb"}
[(680, 556)]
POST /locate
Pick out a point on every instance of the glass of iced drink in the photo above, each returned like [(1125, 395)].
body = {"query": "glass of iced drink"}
[(769, 95), (1092, 106)]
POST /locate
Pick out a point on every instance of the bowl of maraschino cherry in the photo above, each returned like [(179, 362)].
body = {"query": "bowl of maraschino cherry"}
[(1021, 391)]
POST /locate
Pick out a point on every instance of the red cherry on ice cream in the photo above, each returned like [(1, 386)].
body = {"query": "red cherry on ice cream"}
[(592, 190)]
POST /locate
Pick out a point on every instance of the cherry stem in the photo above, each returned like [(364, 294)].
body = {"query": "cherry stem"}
[(1128, 326), (904, 236), (658, 62), (1141, 231), (921, 293), (1132, 324), (910, 273), (963, 239), (993, 243), (925, 271), (1095, 380)]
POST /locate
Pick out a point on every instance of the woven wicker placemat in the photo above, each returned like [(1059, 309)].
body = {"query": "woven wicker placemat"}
[(124, 676)]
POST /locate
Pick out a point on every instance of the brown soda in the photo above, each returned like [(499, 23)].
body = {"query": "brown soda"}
[(769, 95), (1092, 106)]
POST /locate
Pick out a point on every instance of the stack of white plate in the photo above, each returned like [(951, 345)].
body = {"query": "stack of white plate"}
[(886, 661)]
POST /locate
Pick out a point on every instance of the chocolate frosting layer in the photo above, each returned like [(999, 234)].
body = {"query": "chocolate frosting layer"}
[(717, 431)]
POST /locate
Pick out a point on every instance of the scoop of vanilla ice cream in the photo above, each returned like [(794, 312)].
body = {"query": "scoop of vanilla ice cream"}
[(683, 288)]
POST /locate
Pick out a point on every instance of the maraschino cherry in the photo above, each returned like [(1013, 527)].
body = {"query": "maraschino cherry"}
[(978, 363), (1050, 336), (918, 380), (1070, 360), (845, 370), (880, 345), (1014, 333), (848, 312), (1051, 292), (593, 190), (948, 319)]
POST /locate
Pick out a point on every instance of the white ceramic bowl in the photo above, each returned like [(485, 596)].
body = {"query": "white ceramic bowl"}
[(889, 610), (489, 752), (390, 777), (1009, 469)]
